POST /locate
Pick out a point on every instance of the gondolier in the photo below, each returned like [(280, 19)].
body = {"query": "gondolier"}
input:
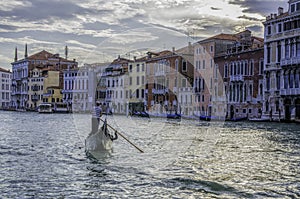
[(97, 113)]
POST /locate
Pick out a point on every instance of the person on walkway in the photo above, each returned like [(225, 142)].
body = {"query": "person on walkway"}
[(97, 113)]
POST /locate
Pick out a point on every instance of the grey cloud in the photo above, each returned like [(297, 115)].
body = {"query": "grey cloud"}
[(263, 7), (249, 18), (43, 10), (213, 8)]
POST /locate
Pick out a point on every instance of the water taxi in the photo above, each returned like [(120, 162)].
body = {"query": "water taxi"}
[(45, 108)]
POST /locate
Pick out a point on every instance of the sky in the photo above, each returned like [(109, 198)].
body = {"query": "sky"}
[(98, 31)]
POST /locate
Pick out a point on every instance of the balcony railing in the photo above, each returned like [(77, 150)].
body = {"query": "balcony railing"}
[(290, 91), (160, 73), (290, 61), (159, 91), (236, 78)]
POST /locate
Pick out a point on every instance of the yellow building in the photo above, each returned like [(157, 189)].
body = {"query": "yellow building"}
[(52, 89)]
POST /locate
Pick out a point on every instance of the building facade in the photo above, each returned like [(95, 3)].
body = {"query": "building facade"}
[(35, 88), (21, 69), (169, 77), (135, 88), (282, 63), (5, 88), (241, 69), (209, 95)]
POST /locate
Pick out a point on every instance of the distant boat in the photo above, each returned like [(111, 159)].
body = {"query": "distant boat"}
[(205, 118), (140, 114), (174, 116), (255, 119), (61, 108), (45, 108), (237, 119), (100, 140)]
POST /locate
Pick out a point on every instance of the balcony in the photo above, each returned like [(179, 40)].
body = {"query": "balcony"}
[(290, 91), (273, 66), (160, 91), (174, 89), (290, 61), (186, 89), (160, 73), (236, 78)]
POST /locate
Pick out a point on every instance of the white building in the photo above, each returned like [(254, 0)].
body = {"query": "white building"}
[(282, 63), (5, 88), (35, 87)]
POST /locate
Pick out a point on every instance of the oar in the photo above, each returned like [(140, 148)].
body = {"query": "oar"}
[(124, 137)]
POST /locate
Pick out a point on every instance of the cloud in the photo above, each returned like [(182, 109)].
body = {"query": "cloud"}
[(86, 25), (263, 7)]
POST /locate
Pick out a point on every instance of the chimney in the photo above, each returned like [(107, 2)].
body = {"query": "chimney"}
[(16, 54), (26, 54), (280, 11), (134, 58), (173, 50), (66, 52)]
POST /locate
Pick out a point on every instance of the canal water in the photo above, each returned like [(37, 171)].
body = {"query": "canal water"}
[(43, 156)]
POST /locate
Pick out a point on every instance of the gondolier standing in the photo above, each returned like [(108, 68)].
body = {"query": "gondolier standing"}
[(97, 113)]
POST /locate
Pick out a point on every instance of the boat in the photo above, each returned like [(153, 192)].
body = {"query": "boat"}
[(100, 140), (45, 108), (61, 108), (174, 116), (237, 119), (255, 119), (140, 114), (205, 118)]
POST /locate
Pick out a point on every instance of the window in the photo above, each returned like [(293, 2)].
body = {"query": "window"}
[(211, 49), (130, 80), (130, 68), (279, 28), (184, 66), (138, 80), (176, 65), (143, 67), (269, 30), (138, 68), (293, 8), (203, 65), (268, 54), (261, 63), (183, 83), (226, 70), (143, 80), (278, 51)]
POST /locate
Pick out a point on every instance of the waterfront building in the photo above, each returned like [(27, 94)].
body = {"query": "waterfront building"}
[(241, 70), (70, 75), (5, 88), (210, 98), (52, 87), (282, 59), (21, 70), (35, 87), (80, 85), (135, 85), (168, 73), (111, 86)]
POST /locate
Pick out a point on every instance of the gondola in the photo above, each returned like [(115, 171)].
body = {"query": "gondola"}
[(100, 140)]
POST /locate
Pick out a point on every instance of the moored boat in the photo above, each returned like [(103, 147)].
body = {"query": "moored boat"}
[(45, 108), (174, 116), (205, 118)]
